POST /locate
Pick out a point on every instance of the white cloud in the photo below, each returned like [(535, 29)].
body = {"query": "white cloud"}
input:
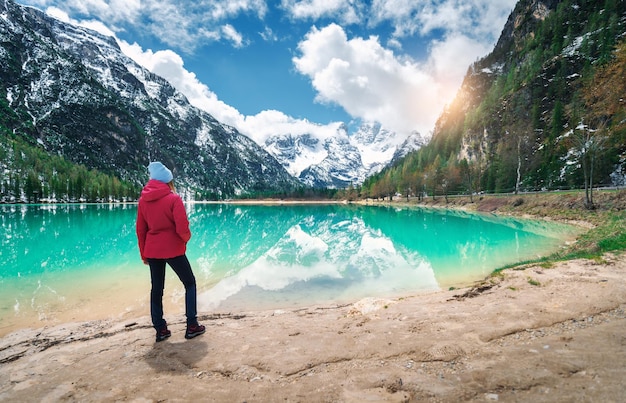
[(112, 11), (58, 14), (348, 12), (199, 22), (222, 9), (233, 36), (369, 81), (170, 66), (268, 35), (451, 57), (184, 26), (372, 83), (266, 123), (479, 19), (95, 25)]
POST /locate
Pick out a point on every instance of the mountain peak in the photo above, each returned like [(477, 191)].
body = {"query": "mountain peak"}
[(340, 160), (92, 105)]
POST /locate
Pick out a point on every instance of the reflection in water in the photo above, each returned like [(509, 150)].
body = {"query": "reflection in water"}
[(258, 256), (292, 255), (324, 253)]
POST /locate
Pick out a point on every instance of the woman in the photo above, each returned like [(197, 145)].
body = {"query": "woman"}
[(163, 231)]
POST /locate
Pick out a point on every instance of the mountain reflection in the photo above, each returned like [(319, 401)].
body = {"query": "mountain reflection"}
[(303, 254), (291, 255), (262, 256)]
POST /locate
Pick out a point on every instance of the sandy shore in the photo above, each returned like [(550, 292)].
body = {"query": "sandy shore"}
[(539, 334)]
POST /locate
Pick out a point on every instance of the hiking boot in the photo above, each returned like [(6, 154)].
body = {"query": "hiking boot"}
[(163, 334), (194, 330)]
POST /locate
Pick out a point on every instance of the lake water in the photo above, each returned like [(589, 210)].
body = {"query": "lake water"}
[(81, 262)]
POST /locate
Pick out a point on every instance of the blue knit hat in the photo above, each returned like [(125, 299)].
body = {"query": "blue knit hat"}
[(160, 172)]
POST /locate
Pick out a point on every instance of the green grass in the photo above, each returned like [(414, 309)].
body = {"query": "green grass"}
[(532, 281), (609, 235)]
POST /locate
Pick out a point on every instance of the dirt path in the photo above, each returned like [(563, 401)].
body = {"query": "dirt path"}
[(556, 335)]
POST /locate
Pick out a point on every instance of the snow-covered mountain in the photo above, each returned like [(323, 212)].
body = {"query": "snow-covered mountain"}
[(342, 159), (71, 92)]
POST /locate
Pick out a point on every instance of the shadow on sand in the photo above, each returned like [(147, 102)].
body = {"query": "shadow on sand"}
[(177, 356)]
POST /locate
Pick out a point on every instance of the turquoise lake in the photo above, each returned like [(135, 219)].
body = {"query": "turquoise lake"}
[(81, 262)]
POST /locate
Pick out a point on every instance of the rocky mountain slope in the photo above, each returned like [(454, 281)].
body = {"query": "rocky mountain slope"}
[(544, 110), (343, 159), (70, 92), (70, 98)]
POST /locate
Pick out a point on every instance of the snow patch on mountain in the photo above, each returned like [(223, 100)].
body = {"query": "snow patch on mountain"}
[(296, 153), (342, 159), (92, 104)]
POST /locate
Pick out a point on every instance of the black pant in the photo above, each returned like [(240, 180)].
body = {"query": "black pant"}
[(182, 268)]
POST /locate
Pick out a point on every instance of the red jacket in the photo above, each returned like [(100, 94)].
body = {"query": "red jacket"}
[(162, 224)]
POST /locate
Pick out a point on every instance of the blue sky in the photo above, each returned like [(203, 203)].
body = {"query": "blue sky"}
[(287, 66)]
